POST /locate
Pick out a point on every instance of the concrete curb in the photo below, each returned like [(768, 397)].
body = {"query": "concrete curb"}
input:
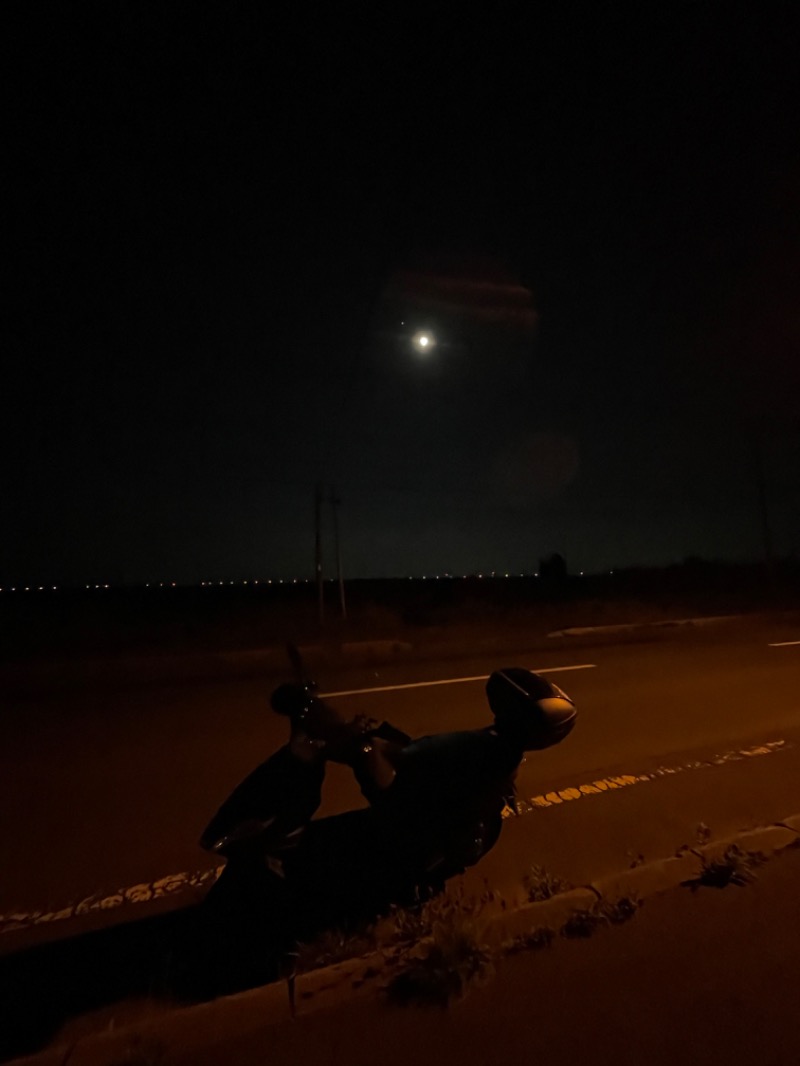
[(643, 882), (793, 823), (650, 879), (198, 665), (550, 914), (623, 627), (213, 1023), (195, 667), (763, 842), (355, 653)]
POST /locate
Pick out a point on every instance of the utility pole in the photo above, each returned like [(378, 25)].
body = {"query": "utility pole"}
[(763, 506), (318, 551), (335, 504)]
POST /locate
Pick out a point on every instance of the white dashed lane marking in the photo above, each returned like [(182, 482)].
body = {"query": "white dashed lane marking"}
[(609, 784), (141, 893), (202, 879), (446, 681)]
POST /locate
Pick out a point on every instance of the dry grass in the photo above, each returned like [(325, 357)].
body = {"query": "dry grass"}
[(583, 923), (453, 958), (540, 884), (733, 867)]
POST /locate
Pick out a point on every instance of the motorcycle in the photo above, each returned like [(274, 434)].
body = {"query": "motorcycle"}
[(435, 808)]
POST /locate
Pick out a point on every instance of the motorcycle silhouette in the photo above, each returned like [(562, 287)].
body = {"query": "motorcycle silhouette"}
[(435, 809)]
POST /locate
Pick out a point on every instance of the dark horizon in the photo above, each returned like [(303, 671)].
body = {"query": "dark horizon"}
[(551, 577)]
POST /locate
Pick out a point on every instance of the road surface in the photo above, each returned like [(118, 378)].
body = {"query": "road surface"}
[(102, 794)]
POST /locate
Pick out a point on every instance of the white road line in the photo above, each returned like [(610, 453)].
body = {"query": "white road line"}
[(606, 784), (785, 644), (445, 681), (171, 885), (200, 880)]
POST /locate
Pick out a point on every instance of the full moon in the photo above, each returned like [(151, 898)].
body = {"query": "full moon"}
[(423, 341)]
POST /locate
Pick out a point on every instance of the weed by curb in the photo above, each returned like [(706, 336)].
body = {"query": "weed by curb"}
[(334, 946), (733, 867), (533, 941), (453, 959), (584, 922), (540, 884)]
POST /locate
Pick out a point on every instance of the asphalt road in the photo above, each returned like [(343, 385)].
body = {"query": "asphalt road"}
[(101, 792)]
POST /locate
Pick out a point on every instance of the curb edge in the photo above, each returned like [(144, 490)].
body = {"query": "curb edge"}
[(354, 976)]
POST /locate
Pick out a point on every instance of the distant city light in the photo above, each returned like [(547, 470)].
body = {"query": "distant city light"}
[(445, 575)]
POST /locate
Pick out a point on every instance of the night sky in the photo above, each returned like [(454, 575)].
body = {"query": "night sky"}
[(227, 224)]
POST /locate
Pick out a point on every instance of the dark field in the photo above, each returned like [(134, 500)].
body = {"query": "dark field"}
[(98, 622)]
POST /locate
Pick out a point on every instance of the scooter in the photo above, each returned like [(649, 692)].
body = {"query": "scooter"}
[(435, 808)]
